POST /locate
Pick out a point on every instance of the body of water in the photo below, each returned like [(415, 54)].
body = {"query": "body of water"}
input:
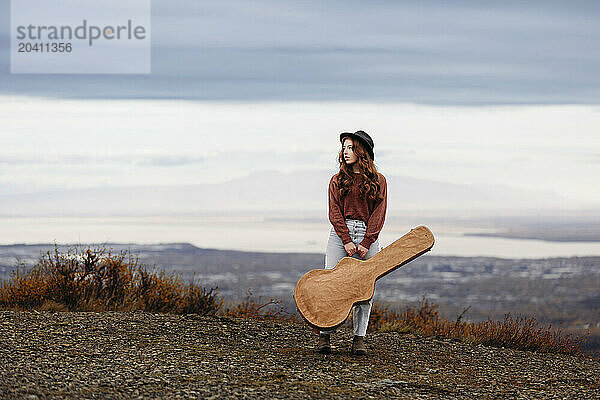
[(254, 234)]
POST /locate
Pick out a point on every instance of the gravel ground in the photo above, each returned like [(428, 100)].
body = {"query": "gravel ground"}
[(114, 355)]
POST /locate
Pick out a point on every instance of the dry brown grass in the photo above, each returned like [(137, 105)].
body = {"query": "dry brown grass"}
[(515, 332), (98, 280)]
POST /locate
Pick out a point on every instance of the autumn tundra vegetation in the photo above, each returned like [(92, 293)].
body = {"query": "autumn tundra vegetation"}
[(95, 279)]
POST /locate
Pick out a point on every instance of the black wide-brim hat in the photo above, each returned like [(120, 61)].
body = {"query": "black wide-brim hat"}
[(363, 137)]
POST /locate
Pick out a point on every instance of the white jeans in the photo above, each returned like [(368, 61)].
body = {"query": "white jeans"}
[(335, 252)]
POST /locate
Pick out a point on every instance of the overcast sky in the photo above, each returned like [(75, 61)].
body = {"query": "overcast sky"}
[(436, 52), (503, 92)]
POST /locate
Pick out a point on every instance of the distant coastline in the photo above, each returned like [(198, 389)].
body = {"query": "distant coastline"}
[(546, 235)]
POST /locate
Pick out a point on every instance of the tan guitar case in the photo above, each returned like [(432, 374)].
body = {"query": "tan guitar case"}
[(324, 297)]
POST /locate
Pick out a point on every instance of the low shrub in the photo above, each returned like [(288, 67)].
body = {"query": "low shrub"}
[(516, 332), (95, 279)]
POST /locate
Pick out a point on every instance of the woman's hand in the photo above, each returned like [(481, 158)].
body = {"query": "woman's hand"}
[(362, 251), (350, 248)]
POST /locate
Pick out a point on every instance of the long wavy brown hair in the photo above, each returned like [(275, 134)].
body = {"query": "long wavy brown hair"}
[(370, 187)]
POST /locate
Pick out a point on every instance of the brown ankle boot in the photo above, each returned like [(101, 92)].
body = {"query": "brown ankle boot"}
[(358, 346), (324, 347)]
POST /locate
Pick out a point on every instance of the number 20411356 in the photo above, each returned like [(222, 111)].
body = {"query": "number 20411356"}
[(45, 48)]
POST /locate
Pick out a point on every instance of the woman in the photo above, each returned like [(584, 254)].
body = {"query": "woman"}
[(357, 207)]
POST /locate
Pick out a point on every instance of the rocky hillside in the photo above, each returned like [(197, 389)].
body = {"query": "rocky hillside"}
[(144, 355)]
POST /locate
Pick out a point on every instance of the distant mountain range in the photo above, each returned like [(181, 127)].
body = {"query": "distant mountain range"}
[(271, 191)]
